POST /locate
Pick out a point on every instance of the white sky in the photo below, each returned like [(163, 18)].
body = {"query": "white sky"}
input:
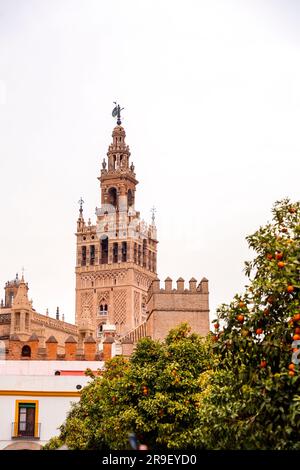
[(212, 97)]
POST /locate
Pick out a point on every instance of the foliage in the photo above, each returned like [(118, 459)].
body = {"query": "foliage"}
[(255, 399), (237, 389), (155, 395)]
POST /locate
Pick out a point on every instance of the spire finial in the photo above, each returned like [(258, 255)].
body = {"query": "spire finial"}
[(23, 269), (116, 112), (80, 202), (57, 313), (153, 210)]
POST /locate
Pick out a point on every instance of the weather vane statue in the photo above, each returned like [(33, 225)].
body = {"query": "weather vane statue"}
[(117, 113)]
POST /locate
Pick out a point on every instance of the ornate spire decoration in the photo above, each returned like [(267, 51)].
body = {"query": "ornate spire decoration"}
[(57, 313), (153, 210), (80, 202), (116, 112)]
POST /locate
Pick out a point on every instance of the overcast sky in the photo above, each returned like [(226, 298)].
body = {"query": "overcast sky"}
[(212, 102)]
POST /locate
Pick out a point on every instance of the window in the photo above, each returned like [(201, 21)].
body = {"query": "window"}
[(100, 330), (104, 250), (115, 253), (83, 256), (135, 253), (139, 254), (129, 198), (112, 196), (144, 253), (92, 254), (124, 252), (26, 419), (103, 309), (26, 351)]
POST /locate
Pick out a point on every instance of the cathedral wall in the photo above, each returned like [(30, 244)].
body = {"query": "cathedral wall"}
[(167, 308)]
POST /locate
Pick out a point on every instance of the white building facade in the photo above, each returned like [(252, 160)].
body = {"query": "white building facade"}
[(35, 397)]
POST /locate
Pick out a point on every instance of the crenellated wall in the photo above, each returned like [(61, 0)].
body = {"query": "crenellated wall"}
[(167, 307), (31, 349)]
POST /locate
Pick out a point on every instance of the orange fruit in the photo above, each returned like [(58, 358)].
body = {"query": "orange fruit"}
[(290, 288), (259, 331), (296, 317), (280, 264), (291, 373), (240, 318), (216, 326), (296, 337), (263, 364), (269, 256), (292, 366), (297, 330), (279, 256), (242, 304)]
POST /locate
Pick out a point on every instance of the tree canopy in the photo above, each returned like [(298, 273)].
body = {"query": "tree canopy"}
[(236, 389)]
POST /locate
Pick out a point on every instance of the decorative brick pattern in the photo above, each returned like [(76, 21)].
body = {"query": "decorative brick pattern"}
[(120, 306), (136, 307)]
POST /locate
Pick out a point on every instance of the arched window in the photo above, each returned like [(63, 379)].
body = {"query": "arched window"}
[(26, 351), (103, 310), (100, 330), (104, 250), (144, 253), (112, 196), (129, 198)]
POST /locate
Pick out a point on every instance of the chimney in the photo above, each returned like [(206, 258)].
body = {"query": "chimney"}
[(51, 348), (180, 284), (34, 346), (168, 284), (90, 348), (107, 348), (70, 349)]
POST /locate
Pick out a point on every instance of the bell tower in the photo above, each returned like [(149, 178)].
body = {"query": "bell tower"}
[(116, 256)]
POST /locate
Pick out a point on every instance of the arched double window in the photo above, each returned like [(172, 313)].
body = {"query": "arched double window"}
[(103, 310)]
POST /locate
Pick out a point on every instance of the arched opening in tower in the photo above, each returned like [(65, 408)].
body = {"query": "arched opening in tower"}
[(104, 250), (112, 196), (129, 198)]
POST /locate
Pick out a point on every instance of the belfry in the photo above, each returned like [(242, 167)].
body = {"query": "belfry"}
[(116, 256)]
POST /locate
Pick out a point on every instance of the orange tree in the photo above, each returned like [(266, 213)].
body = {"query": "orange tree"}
[(155, 395), (254, 399)]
